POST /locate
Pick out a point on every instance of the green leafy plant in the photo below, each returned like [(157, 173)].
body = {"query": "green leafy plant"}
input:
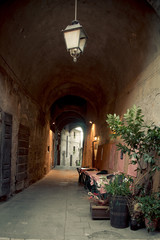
[(150, 205), (120, 185), (140, 141)]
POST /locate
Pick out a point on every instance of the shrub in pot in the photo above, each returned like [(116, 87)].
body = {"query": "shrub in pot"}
[(150, 206), (119, 190)]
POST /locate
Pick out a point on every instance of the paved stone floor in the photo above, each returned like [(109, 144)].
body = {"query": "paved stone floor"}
[(57, 208)]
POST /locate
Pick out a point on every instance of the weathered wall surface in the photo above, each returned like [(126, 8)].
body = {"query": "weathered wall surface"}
[(145, 93), (142, 90), (155, 4), (89, 139), (25, 111)]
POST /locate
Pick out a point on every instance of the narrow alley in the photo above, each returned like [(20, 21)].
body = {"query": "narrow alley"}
[(79, 88), (57, 207)]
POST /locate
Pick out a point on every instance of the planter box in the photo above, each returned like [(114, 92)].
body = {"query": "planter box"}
[(100, 212)]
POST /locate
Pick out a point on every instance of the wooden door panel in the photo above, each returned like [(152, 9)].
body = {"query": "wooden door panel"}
[(5, 160), (22, 158)]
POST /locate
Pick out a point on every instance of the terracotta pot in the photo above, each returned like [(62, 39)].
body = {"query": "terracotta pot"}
[(151, 225)]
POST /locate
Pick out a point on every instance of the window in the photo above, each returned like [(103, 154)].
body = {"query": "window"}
[(74, 149)]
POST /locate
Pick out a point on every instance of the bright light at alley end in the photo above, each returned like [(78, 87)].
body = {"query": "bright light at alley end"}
[(75, 39)]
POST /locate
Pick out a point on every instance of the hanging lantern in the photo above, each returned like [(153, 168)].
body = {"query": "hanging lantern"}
[(75, 37)]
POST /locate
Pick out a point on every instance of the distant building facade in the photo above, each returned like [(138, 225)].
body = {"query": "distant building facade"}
[(71, 147)]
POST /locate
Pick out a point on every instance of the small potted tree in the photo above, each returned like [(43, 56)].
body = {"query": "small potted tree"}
[(139, 141)]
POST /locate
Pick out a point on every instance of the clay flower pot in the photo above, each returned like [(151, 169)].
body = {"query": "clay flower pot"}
[(151, 225)]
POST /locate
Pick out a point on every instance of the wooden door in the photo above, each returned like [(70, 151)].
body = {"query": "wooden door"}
[(5, 152), (22, 157)]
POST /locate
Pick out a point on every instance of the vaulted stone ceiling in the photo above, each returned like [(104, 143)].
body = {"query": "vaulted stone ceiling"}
[(119, 46)]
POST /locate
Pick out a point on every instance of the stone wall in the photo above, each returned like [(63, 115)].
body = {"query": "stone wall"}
[(24, 111)]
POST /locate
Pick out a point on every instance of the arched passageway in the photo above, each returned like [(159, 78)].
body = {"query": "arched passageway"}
[(43, 90)]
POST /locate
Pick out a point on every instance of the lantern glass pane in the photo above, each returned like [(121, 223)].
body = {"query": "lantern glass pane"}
[(72, 38), (82, 44)]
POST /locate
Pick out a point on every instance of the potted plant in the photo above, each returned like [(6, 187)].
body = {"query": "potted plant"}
[(99, 206), (119, 190), (140, 141), (136, 215), (150, 206)]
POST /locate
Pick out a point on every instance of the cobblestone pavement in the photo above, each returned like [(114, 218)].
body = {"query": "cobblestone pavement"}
[(57, 207)]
